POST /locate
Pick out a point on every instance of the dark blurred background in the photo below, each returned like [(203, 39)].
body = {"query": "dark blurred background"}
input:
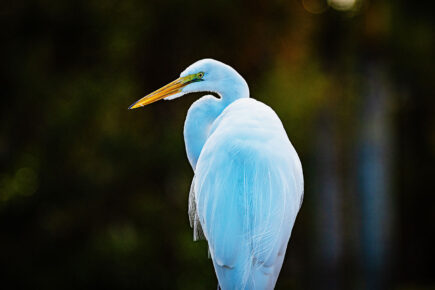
[(95, 196)]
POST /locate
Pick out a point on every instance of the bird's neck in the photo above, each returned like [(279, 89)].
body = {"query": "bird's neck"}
[(201, 116)]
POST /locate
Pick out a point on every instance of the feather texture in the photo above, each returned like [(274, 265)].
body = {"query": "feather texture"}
[(246, 193)]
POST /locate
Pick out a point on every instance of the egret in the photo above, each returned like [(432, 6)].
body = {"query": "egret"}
[(248, 184)]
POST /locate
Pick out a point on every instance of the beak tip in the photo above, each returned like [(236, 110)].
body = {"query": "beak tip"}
[(132, 106)]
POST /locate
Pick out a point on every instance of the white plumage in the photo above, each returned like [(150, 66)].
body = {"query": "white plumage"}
[(248, 188)]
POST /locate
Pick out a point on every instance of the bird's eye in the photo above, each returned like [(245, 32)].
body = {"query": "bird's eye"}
[(200, 75)]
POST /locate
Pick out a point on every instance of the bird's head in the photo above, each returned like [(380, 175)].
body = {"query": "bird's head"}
[(206, 75)]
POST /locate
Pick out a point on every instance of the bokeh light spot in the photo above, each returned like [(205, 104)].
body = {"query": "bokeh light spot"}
[(342, 5), (23, 183)]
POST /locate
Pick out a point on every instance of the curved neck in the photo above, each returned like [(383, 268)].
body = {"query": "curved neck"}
[(201, 116)]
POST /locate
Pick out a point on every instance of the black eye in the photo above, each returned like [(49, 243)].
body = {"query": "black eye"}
[(200, 75)]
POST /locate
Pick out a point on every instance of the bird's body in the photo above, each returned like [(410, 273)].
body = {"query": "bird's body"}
[(247, 192), (248, 182)]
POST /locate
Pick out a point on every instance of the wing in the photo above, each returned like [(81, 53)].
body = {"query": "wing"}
[(247, 190)]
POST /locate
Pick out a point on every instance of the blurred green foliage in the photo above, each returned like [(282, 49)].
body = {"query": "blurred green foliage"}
[(95, 196)]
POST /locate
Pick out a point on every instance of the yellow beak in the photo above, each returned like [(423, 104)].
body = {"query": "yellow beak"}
[(166, 91)]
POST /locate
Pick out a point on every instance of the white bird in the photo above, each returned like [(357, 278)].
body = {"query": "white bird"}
[(248, 182)]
